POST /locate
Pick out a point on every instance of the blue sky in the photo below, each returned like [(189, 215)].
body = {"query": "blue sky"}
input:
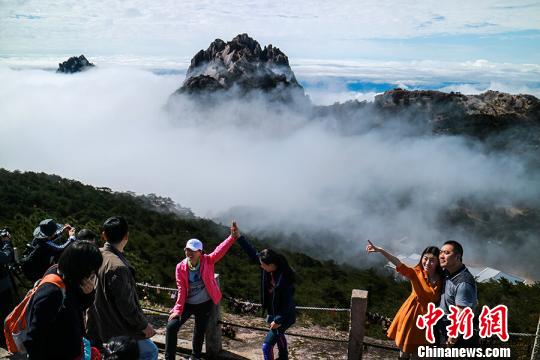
[(467, 46), (498, 31), (483, 44)]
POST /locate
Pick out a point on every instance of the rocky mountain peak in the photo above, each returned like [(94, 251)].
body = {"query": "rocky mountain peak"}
[(241, 64), (74, 64)]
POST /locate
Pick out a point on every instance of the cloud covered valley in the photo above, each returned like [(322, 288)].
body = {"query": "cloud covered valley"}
[(272, 168)]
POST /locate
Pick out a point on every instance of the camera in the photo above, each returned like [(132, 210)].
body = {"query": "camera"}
[(4, 233)]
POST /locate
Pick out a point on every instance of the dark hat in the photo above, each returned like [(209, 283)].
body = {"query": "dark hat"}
[(47, 228)]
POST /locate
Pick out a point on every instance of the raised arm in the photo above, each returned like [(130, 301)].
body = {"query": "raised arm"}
[(222, 248), (370, 248), (249, 249)]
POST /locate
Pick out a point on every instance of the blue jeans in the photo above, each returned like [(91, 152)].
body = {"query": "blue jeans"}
[(147, 350), (276, 336)]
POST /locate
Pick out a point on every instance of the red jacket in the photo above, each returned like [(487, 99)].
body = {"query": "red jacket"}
[(207, 274)]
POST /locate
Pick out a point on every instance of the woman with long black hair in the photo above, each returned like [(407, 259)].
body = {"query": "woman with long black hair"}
[(277, 296), (426, 282), (55, 315)]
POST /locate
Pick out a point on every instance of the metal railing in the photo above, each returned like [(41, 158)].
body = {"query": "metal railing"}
[(358, 316)]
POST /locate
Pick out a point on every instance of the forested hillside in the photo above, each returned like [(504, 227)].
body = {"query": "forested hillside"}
[(159, 230)]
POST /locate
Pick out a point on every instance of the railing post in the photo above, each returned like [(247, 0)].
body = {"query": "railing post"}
[(357, 324), (213, 330), (535, 355)]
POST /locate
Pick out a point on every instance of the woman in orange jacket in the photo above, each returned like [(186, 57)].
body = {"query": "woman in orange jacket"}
[(426, 280)]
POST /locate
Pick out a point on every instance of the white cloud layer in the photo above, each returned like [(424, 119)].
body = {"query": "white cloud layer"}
[(109, 127), (326, 80)]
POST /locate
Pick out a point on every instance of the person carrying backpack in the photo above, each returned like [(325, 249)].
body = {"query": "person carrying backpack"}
[(43, 251), (277, 296), (54, 314)]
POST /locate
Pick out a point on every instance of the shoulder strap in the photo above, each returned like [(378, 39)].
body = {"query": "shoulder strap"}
[(53, 279), (47, 279), (15, 322)]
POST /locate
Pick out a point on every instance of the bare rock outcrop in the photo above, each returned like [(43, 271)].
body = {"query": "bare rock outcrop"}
[(454, 113), (241, 66), (74, 64)]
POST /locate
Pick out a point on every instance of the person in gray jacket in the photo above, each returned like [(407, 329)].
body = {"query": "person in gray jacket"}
[(459, 290), (116, 310)]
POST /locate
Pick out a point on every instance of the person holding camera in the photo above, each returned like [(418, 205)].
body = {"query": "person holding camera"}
[(7, 257), (44, 249)]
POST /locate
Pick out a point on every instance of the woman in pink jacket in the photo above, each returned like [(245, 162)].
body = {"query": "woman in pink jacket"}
[(197, 292)]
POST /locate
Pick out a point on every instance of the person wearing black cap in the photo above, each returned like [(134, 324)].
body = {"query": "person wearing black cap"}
[(45, 251)]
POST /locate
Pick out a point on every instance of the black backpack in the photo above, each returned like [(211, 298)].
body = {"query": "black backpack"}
[(36, 259)]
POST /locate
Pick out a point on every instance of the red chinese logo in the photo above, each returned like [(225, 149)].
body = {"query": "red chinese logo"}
[(461, 322), (491, 322), (494, 322), (429, 320)]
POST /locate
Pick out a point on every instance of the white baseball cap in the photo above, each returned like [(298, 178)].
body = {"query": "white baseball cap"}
[(194, 245)]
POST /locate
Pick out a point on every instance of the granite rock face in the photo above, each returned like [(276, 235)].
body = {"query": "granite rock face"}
[(504, 120), (240, 67), (74, 64), (243, 67), (455, 113)]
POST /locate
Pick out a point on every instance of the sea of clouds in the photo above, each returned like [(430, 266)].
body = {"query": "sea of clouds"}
[(271, 169)]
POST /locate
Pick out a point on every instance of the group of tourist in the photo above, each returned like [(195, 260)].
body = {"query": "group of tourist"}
[(441, 278), (85, 303)]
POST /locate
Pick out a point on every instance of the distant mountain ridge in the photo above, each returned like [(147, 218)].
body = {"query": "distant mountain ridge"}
[(241, 67), (455, 113)]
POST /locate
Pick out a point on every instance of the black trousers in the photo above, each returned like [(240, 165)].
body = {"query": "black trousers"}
[(202, 315)]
